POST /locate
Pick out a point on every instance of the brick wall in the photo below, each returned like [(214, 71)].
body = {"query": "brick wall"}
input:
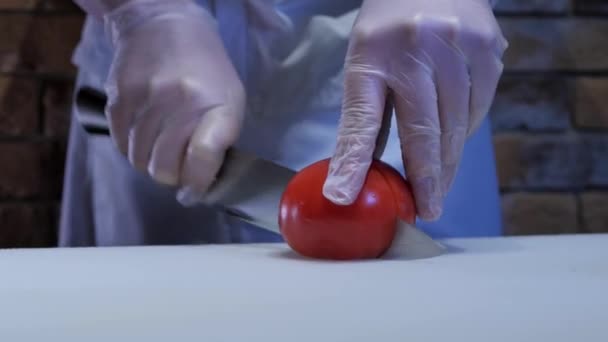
[(36, 43), (550, 116)]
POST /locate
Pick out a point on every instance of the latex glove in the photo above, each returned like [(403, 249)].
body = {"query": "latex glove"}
[(440, 62), (175, 102)]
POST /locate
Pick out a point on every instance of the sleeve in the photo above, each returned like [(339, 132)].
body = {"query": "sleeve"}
[(98, 8)]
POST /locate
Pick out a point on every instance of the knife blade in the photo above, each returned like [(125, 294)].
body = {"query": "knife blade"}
[(410, 242), (250, 188)]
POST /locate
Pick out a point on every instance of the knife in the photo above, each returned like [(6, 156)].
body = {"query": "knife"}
[(250, 188)]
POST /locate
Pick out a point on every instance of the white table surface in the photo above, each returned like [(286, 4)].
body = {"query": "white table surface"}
[(504, 289)]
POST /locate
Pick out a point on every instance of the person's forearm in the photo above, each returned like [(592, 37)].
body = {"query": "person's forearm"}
[(99, 7)]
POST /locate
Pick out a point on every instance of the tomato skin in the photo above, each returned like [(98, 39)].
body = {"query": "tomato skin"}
[(402, 192), (315, 227)]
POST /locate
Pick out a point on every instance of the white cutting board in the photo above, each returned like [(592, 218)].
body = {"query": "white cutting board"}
[(506, 289)]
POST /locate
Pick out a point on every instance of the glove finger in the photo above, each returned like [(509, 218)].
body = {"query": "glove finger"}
[(419, 132), (180, 100), (453, 91), (485, 69), (362, 110), (216, 131), (169, 149), (120, 108), (142, 136)]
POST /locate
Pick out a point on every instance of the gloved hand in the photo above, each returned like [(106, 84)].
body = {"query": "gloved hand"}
[(175, 102), (440, 62)]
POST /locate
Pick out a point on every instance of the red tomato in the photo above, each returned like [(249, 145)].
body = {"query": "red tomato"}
[(317, 228)]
